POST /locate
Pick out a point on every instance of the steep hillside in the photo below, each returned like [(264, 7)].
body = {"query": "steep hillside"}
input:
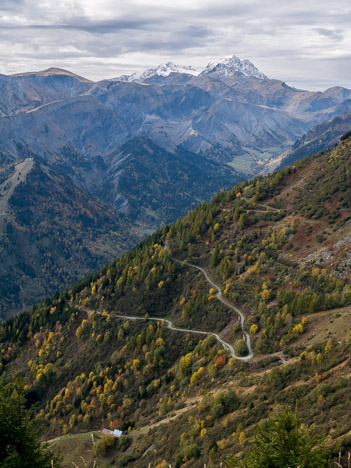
[(155, 186), (279, 248), (319, 138), (51, 234)]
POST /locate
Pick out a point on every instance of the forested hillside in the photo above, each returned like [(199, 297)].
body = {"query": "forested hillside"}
[(279, 248), (51, 233)]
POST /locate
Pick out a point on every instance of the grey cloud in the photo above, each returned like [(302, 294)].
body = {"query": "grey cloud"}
[(83, 24), (336, 34), (281, 37), (11, 5), (180, 40)]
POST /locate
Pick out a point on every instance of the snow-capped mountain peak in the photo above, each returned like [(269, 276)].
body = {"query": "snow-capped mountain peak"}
[(164, 69), (221, 68), (228, 66)]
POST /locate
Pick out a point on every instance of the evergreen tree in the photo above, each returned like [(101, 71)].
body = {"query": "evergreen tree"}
[(20, 443), (214, 257), (242, 221), (283, 443)]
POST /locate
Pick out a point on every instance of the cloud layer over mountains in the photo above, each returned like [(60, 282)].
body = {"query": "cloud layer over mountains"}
[(290, 41)]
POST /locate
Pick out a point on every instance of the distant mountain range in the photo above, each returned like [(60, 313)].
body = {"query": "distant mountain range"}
[(147, 148), (229, 112)]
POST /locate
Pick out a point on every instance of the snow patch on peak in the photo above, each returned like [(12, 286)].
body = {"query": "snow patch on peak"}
[(229, 66), (164, 69)]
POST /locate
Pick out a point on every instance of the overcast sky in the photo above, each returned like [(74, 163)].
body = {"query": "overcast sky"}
[(306, 43)]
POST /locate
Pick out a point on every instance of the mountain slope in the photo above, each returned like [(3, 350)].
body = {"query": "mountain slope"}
[(319, 138), (51, 234), (147, 182), (53, 226), (275, 94), (339, 93), (26, 91), (279, 248)]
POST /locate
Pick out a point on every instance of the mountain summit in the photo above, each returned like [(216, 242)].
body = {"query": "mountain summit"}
[(223, 67), (228, 66), (164, 69)]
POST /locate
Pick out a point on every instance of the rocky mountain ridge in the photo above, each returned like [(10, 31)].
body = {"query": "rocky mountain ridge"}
[(223, 67), (164, 69), (339, 93)]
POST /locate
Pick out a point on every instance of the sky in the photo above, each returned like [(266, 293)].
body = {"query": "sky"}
[(305, 43)]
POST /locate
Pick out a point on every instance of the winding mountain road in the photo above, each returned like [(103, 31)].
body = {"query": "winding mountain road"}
[(268, 208), (170, 325), (221, 298)]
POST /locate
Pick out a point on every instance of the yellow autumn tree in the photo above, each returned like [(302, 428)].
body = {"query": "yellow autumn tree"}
[(242, 438), (328, 347)]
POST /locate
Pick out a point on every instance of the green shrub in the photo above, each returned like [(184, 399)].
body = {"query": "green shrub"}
[(102, 445), (240, 348)]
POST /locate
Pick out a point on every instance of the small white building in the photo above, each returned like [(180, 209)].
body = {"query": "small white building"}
[(115, 433)]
